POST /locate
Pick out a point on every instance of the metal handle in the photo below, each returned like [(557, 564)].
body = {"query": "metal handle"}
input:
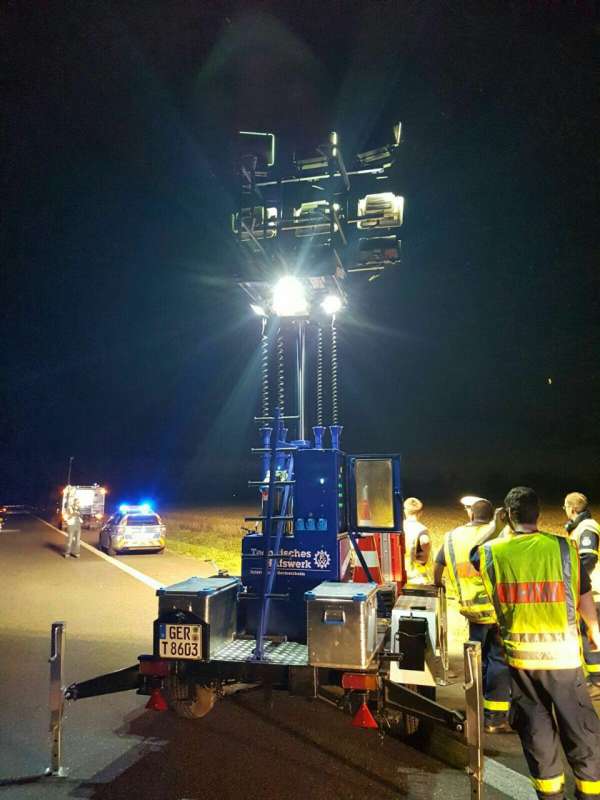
[(334, 616)]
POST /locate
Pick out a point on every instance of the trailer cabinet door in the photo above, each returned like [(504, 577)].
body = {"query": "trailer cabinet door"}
[(374, 493)]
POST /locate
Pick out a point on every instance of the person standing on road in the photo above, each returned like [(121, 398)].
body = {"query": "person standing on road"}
[(417, 543), (73, 521), (585, 532), (476, 607), (537, 586)]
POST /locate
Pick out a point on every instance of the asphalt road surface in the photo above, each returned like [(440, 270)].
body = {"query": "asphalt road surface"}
[(289, 750)]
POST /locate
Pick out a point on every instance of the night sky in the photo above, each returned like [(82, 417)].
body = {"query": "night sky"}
[(125, 341)]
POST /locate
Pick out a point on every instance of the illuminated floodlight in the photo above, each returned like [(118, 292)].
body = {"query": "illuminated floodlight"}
[(258, 310), (331, 304), (382, 210), (289, 298), (469, 500)]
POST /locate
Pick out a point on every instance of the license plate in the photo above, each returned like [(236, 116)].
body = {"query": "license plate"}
[(179, 641)]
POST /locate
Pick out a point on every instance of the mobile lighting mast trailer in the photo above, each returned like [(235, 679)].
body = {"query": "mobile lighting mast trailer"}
[(320, 607)]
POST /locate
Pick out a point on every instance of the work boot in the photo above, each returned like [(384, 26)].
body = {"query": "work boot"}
[(496, 725)]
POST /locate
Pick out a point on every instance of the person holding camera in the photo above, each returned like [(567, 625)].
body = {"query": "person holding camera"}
[(73, 522)]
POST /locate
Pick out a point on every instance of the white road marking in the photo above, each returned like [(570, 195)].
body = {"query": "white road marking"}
[(139, 576), (10, 530), (506, 780)]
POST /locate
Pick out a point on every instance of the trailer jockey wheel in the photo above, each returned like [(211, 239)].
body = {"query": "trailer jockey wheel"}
[(189, 701)]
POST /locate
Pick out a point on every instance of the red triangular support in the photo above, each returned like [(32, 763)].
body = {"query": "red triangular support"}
[(157, 702), (363, 718)]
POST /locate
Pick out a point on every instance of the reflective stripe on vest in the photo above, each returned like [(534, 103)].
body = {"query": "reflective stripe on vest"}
[(586, 525), (533, 580), (473, 602)]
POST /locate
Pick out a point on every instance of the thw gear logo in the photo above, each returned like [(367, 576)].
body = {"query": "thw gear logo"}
[(322, 559)]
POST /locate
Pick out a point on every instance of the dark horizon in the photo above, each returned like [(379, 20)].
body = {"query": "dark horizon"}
[(128, 345)]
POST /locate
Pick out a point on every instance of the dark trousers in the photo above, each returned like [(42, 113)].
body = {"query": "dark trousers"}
[(550, 708), (496, 675), (591, 657)]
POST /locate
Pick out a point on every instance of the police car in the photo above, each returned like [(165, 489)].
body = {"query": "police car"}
[(133, 528)]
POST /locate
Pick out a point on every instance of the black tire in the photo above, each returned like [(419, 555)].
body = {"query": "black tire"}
[(189, 701)]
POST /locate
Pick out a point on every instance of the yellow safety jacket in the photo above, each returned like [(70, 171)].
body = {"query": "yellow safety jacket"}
[(473, 601), (533, 582), (416, 573)]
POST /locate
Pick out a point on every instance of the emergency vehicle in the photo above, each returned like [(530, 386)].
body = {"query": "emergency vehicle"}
[(91, 501)]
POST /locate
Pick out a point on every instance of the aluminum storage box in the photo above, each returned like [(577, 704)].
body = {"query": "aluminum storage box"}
[(213, 600), (342, 624)]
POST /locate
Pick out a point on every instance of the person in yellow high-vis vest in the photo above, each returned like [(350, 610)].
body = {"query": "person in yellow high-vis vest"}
[(417, 542), (585, 532), (538, 589), (475, 606)]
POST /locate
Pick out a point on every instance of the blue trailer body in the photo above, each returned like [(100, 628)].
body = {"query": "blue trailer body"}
[(314, 547)]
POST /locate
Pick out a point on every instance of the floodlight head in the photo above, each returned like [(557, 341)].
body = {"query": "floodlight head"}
[(331, 304), (469, 500), (289, 297), (258, 310)]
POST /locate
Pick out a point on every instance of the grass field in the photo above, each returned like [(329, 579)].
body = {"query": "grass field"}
[(214, 532)]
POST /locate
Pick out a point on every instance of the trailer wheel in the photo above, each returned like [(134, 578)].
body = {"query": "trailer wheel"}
[(189, 701)]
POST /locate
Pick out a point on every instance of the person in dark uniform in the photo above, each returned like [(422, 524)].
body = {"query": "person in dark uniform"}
[(585, 532), (538, 586)]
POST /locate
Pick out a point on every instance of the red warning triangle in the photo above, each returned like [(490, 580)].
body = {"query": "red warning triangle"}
[(363, 718), (157, 702)]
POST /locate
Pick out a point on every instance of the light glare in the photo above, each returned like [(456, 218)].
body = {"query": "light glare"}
[(331, 304), (289, 299), (259, 310)]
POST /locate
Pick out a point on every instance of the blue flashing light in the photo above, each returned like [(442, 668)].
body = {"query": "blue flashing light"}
[(321, 481), (142, 508)]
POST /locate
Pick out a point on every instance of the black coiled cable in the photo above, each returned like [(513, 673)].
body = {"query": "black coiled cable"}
[(280, 374), (264, 371), (320, 364), (334, 375)]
